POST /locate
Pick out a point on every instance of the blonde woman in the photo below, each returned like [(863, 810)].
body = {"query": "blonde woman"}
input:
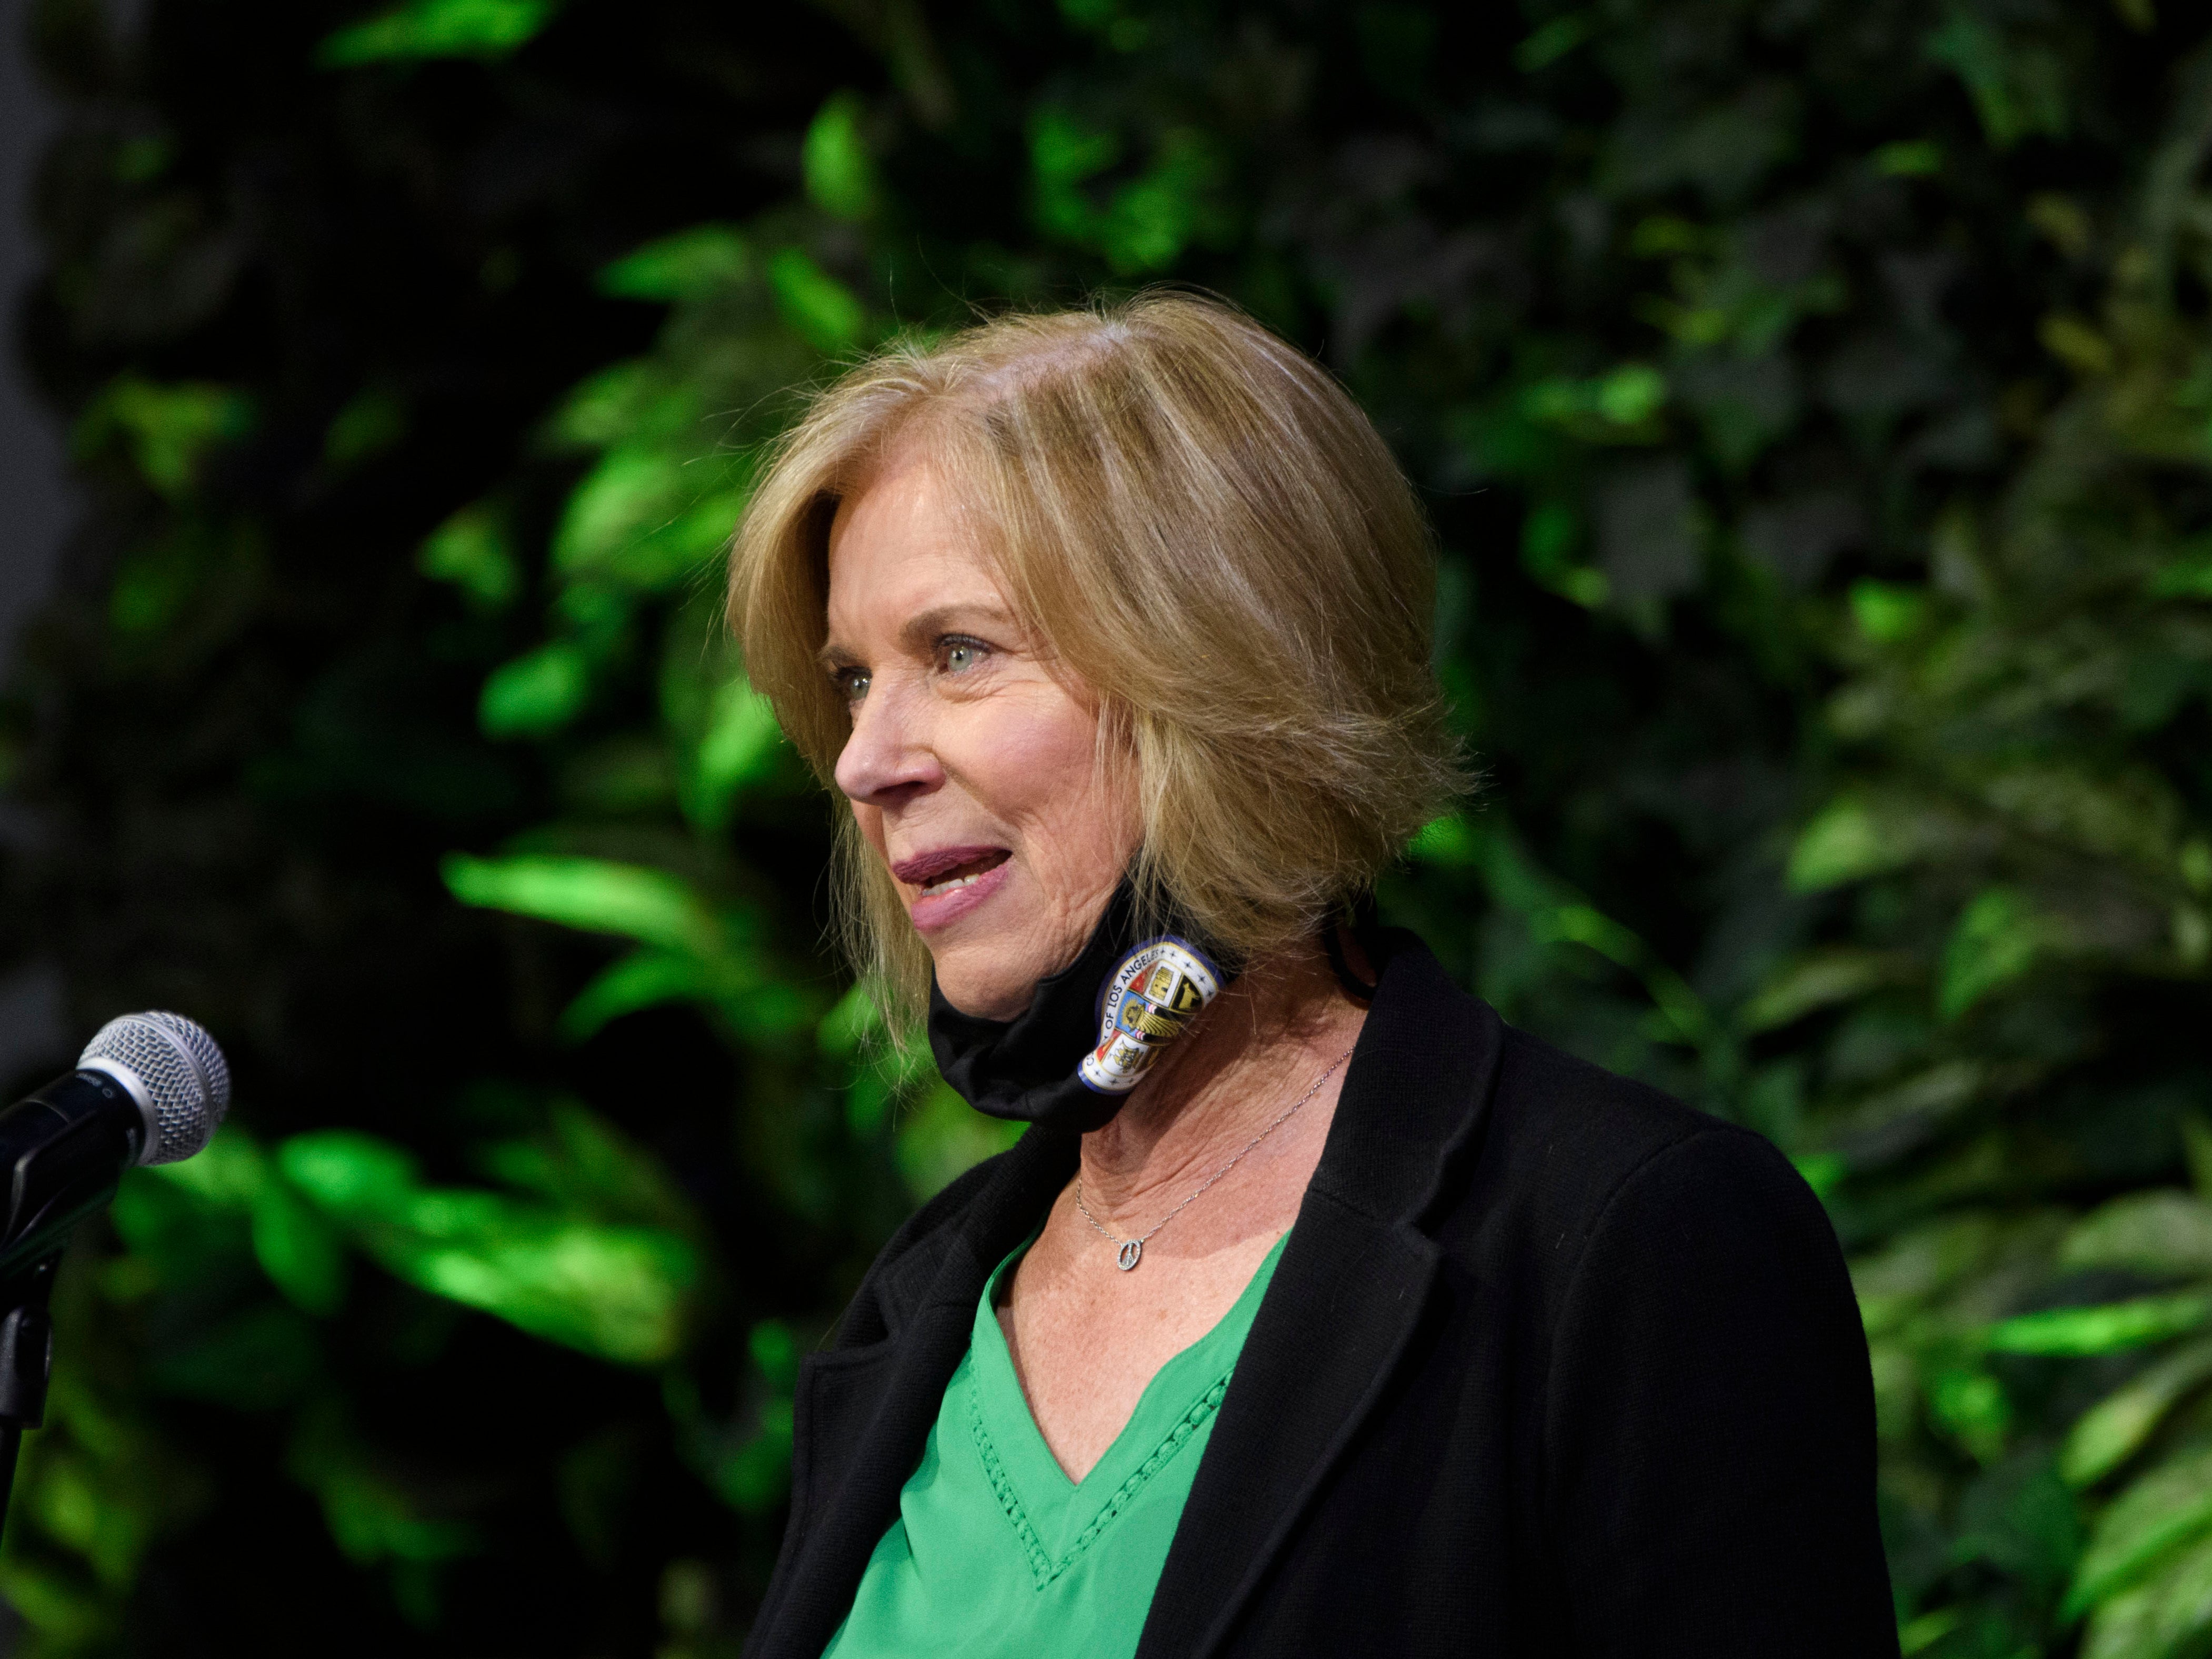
[(1321, 1313)]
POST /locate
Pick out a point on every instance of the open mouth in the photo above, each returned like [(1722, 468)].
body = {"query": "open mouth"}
[(966, 875), (949, 869)]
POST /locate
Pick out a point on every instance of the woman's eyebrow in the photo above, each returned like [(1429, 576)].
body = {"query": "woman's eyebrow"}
[(922, 630)]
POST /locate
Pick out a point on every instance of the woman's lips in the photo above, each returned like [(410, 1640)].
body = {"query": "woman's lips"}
[(954, 880), (921, 868)]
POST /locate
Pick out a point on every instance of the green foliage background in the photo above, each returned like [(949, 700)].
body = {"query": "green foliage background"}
[(1814, 401)]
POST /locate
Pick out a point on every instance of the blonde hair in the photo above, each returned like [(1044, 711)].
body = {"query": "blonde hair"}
[(1203, 529)]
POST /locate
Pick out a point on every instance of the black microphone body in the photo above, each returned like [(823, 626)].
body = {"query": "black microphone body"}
[(63, 1149), (148, 1089)]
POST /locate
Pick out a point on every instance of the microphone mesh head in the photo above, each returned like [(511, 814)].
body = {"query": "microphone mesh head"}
[(185, 1079)]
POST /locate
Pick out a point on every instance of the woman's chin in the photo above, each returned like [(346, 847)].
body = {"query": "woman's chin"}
[(974, 981)]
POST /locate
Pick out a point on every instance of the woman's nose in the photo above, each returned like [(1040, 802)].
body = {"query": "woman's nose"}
[(888, 760)]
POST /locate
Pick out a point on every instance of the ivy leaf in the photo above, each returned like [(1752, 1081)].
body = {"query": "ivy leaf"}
[(438, 28), (2165, 1511)]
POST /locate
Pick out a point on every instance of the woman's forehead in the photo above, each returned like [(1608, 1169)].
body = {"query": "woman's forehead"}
[(897, 554)]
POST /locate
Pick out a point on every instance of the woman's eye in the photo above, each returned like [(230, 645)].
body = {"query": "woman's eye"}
[(961, 655), (852, 683)]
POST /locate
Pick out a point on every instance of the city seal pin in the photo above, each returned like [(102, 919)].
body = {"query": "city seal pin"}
[(1145, 1004)]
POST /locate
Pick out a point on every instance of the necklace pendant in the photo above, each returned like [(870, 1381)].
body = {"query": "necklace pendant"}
[(1131, 1252)]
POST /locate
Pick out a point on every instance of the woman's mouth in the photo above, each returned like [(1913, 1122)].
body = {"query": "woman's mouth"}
[(967, 876), (953, 880)]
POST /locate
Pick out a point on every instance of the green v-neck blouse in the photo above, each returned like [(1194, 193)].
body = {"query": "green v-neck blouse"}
[(996, 1553)]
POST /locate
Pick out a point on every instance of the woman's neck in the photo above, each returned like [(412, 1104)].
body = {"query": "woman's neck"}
[(1263, 1043)]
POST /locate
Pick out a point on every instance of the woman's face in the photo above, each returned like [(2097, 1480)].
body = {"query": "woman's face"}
[(972, 771)]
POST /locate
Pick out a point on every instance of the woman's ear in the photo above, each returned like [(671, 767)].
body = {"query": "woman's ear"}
[(1355, 973)]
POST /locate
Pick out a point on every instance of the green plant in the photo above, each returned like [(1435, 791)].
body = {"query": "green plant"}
[(1812, 403)]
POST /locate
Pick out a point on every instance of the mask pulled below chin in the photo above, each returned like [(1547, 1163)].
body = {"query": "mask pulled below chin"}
[(1090, 1032)]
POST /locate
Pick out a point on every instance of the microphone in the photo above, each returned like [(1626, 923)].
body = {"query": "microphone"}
[(148, 1089)]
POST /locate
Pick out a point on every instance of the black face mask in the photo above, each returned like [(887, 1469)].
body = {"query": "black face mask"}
[(1090, 1032)]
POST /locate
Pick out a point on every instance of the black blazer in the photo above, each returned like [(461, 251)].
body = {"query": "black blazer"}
[(1551, 1365)]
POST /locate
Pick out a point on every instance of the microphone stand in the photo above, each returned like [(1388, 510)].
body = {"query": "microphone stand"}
[(63, 1149), (27, 1359)]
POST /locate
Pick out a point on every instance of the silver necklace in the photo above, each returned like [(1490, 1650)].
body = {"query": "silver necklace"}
[(1131, 1251)]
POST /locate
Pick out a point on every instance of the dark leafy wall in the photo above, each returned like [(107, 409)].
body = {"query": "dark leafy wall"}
[(1814, 403)]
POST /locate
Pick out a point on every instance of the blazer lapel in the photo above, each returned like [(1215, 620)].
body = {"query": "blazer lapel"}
[(880, 1399), (1346, 1299)]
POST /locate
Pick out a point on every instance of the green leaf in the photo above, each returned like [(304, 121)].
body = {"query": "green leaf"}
[(646, 979), (2196, 1150), (536, 695), (840, 176), (371, 1514), (2166, 1509), (471, 551), (372, 423), (62, 1605), (2019, 1518), (944, 1137), (302, 1254), (685, 266), (1909, 158), (619, 1293), (1065, 153), (1145, 224), (820, 310), (1822, 1171), (2157, 1233), (650, 905), (174, 1235), (228, 1172), (2168, 1614), (1856, 837), (2018, 88), (585, 1166), (1930, 1628), (623, 1294), (169, 430), (2114, 1328), (648, 516), (848, 1027), (629, 403), (740, 748), (350, 1175), (1154, 217), (1819, 981), (2075, 343), (1551, 534), (2188, 577), (748, 1471), (1973, 1406), (2114, 817), (438, 28), (775, 1352), (1620, 407), (1886, 612), (1449, 842), (1997, 939), (2116, 1428), (1554, 41)]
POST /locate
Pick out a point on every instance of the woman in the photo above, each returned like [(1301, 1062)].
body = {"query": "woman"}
[(1321, 1313)]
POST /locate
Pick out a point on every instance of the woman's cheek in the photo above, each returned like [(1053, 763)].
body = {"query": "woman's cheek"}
[(1049, 753), (869, 820)]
